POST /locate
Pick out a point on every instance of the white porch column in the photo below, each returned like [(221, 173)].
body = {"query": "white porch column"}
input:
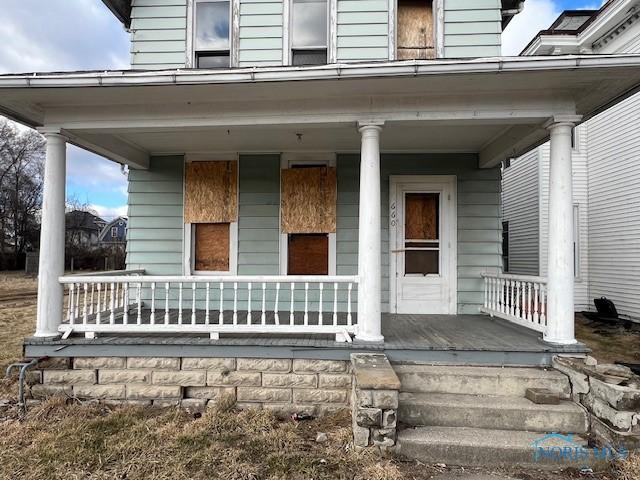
[(50, 301), (369, 256), (560, 308)]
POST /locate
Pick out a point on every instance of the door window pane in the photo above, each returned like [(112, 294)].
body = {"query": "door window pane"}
[(309, 23), (212, 26), (422, 234)]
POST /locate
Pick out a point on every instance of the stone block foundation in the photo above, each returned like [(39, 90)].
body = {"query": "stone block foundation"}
[(285, 385)]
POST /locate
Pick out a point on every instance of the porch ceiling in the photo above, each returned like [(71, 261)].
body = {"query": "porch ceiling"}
[(494, 107)]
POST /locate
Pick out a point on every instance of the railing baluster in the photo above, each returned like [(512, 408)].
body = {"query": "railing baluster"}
[(206, 301), (321, 287), (519, 299), (125, 303), (276, 316), (166, 303), (152, 316), (220, 313), (193, 303), (349, 319), (76, 310), (91, 300), (543, 305), (306, 303), (291, 313), (139, 298), (536, 315), (235, 303), (112, 314), (85, 308), (98, 309), (335, 303), (263, 317), (70, 306), (249, 286), (180, 303), (104, 299)]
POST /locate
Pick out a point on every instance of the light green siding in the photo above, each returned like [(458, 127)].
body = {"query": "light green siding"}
[(362, 30), (472, 28), (155, 228), (261, 30), (158, 34), (156, 222)]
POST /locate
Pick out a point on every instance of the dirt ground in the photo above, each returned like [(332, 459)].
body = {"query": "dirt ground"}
[(67, 439)]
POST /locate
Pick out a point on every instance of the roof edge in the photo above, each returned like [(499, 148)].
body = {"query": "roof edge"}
[(121, 9)]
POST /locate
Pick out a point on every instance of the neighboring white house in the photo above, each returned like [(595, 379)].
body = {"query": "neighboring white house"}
[(606, 174)]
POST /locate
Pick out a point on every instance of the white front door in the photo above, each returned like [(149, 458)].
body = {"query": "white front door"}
[(422, 239)]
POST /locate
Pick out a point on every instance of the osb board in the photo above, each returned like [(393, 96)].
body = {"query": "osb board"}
[(308, 254), (421, 216), (212, 247), (415, 30), (211, 192), (308, 200)]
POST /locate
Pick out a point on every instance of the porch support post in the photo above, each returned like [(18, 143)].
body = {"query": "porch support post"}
[(369, 256), (52, 233), (560, 283)]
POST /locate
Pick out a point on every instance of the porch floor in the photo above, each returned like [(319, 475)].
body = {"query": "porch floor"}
[(449, 339)]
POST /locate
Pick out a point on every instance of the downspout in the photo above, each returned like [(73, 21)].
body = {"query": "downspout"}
[(23, 366)]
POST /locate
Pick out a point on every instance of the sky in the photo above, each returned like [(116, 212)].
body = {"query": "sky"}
[(59, 35)]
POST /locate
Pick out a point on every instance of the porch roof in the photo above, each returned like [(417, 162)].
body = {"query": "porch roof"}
[(426, 105)]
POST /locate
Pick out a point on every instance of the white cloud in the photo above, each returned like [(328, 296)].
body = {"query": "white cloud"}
[(109, 213), (537, 15)]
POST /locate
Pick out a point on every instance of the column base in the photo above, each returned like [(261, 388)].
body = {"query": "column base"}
[(369, 338), (558, 341)]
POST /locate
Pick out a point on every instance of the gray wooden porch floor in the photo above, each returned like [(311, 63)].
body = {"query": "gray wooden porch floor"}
[(455, 339)]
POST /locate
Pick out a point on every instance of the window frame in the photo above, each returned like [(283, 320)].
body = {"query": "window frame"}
[(304, 158), (438, 29), (192, 51), (189, 237), (288, 33)]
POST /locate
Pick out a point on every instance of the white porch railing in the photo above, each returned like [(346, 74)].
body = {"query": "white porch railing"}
[(521, 299), (126, 302)]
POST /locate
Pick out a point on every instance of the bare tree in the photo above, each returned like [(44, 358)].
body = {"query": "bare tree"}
[(21, 180)]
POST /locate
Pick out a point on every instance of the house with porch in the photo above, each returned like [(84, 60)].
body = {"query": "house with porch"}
[(311, 180)]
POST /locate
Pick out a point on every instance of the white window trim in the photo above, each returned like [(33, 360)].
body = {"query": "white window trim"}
[(438, 28), (332, 23), (286, 160), (188, 259), (234, 32)]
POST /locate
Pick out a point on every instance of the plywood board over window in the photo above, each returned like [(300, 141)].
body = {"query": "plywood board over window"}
[(212, 247), (308, 200), (415, 30), (308, 254), (211, 192)]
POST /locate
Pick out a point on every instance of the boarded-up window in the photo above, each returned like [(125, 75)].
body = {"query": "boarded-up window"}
[(308, 200), (422, 233), (211, 192), (308, 254), (211, 247), (415, 30)]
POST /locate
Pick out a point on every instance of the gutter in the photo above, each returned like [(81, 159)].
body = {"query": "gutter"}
[(324, 72)]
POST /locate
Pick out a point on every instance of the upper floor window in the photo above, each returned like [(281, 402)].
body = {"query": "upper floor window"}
[(309, 25), (114, 232), (415, 30), (212, 33)]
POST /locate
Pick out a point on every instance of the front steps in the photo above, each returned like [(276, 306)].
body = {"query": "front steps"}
[(478, 416)]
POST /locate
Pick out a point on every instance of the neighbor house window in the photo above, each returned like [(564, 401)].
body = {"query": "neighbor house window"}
[(114, 232), (309, 25), (505, 246), (212, 39)]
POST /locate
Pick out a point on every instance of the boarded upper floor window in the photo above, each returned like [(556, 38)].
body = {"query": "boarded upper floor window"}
[(212, 33), (415, 30), (309, 25)]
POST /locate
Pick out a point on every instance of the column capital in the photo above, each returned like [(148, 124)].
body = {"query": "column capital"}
[(364, 126), (562, 120), (52, 132)]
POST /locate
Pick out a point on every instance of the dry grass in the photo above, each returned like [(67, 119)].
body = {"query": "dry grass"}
[(609, 343), (61, 440), (629, 469)]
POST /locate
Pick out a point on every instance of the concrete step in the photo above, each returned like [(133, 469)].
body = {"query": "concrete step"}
[(479, 380), (493, 448), (492, 412)]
